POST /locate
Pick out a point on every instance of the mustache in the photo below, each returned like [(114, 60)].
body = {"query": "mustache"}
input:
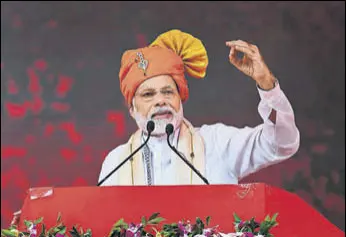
[(161, 110)]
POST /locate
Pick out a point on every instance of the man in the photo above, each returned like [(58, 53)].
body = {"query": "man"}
[(154, 86)]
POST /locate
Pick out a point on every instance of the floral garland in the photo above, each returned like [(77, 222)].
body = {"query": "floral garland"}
[(146, 227)]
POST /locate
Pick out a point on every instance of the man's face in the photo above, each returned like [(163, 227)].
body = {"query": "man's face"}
[(157, 99)]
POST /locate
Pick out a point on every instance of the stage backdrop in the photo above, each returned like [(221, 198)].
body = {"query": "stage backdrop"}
[(62, 110)]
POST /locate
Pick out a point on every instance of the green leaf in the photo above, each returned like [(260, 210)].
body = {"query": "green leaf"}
[(62, 230), (50, 231), (88, 233), (144, 220), (74, 232), (153, 216), (39, 220), (120, 223), (43, 231), (207, 220), (56, 230), (263, 228), (59, 218), (156, 220), (236, 218), (198, 227), (267, 218), (200, 223), (274, 217), (27, 223), (12, 227), (8, 233)]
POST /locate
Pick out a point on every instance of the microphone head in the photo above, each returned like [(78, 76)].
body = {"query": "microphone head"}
[(169, 129), (150, 126)]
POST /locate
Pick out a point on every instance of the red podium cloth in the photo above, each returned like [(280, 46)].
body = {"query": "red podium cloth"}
[(99, 208)]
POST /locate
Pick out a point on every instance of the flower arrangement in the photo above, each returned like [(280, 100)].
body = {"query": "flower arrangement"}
[(148, 227), (253, 228)]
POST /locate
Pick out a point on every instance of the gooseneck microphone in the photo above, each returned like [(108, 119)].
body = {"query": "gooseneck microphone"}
[(169, 131), (150, 129)]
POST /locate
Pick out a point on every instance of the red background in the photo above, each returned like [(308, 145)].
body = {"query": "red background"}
[(62, 111)]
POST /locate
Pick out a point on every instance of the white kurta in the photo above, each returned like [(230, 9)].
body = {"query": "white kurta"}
[(230, 153)]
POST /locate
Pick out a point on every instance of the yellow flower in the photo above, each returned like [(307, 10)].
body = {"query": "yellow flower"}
[(158, 234)]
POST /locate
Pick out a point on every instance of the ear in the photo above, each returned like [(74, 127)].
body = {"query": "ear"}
[(132, 108), (131, 111)]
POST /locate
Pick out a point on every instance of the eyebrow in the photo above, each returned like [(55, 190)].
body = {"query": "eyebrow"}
[(147, 89), (153, 89), (167, 87)]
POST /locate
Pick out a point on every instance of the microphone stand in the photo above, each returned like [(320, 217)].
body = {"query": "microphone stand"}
[(150, 128), (169, 132)]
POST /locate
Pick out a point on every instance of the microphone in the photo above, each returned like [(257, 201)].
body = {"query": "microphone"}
[(150, 129), (169, 131)]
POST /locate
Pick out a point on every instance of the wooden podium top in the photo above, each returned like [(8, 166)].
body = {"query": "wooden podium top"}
[(99, 208)]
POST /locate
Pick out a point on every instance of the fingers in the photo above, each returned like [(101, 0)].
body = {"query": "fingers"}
[(244, 47), (233, 58), (245, 50), (241, 43), (232, 53), (251, 63)]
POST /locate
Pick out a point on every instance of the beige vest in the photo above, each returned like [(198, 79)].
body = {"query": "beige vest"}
[(191, 145)]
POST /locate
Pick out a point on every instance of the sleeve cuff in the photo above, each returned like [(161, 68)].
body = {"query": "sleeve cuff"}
[(271, 95)]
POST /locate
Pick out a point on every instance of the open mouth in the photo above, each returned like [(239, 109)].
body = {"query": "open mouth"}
[(162, 115)]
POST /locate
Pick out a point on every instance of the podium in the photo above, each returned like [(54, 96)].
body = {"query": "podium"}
[(98, 208)]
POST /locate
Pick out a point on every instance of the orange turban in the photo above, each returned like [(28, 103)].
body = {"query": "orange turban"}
[(172, 53)]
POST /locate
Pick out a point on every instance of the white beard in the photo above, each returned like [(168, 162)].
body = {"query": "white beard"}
[(160, 124)]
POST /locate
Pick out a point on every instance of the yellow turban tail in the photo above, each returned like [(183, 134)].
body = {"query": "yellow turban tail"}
[(189, 48)]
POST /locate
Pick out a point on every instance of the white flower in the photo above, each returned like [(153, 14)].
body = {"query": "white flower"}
[(204, 235), (238, 234), (32, 229)]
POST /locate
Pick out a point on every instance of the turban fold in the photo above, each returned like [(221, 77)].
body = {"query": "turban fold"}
[(172, 53)]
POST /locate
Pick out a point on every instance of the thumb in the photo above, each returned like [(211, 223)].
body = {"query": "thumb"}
[(233, 58)]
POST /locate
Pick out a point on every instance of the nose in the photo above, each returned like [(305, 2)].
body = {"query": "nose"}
[(160, 100)]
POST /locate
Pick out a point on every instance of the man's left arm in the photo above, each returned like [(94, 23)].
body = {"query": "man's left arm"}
[(274, 108), (278, 137), (279, 127)]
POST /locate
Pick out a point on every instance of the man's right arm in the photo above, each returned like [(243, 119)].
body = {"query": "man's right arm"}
[(109, 163)]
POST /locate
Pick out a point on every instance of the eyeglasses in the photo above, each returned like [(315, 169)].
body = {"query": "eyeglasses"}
[(148, 95)]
